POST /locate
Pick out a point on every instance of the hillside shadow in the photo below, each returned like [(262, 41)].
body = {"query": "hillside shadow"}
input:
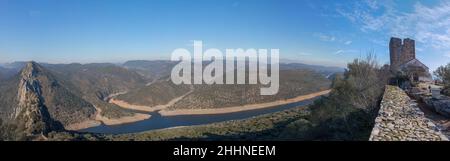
[(355, 127)]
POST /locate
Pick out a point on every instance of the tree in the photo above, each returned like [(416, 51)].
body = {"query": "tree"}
[(443, 73), (348, 112)]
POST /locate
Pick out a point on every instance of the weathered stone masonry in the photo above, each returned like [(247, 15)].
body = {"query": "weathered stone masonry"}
[(400, 119), (401, 52), (403, 60)]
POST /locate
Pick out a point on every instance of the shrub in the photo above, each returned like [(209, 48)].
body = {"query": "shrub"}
[(442, 73), (348, 112)]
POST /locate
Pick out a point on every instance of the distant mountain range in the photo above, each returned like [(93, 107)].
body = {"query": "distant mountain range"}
[(151, 69), (155, 69), (8, 72), (161, 68)]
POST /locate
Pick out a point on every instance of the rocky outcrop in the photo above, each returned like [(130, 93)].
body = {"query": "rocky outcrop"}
[(400, 119), (442, 107), (437, 102), (31, 113), (433, 99)]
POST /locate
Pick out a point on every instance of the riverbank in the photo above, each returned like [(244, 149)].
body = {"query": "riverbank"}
[(193, 112), (123, 120), (83, 125), (99, 119), (224, 110), (279, 124), (127, 105)]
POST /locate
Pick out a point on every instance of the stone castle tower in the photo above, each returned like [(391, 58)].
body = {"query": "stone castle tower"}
[(403, 60), (401, 52)]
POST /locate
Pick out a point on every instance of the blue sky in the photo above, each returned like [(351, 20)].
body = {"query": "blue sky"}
[(325, 32)]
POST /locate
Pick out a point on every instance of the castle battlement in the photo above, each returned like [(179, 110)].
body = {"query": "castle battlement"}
[(401, 51)]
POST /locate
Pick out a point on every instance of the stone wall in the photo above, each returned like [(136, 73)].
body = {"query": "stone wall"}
[(400, 119)]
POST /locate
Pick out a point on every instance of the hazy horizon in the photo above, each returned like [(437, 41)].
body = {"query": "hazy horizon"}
[(282, 61), (328, 33)]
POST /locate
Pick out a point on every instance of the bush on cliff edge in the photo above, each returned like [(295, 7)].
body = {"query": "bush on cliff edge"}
[(442, 73), (348, 113)]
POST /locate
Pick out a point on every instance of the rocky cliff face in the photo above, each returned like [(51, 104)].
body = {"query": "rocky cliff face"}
[(31, 112)]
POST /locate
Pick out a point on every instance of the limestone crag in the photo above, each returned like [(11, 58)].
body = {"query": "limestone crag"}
[(31, 111), (400, 119)]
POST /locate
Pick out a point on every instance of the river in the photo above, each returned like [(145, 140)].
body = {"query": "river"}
[(156, 121)]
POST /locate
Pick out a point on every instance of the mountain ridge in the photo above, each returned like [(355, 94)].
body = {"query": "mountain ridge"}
[(43, 98), (31, 113)]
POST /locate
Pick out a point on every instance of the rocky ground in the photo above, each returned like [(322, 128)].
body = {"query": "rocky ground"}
[(400, 119), (437, 108), (441, 122)]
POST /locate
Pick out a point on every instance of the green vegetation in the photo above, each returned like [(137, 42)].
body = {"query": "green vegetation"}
[(152, 70), (158, 93), (62, 104), (292, 83), (8, 96), (70, 91), (94, 82), (443, 74), (276, 126), (10, 132), (348, 113)]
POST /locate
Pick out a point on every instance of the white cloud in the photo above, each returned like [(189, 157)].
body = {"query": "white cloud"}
[(345, 51), (339, 52), (428, 25), (331, 38), (373, 4), (325, 37)]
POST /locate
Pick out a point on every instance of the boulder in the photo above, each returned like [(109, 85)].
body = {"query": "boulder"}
[(442, 107)]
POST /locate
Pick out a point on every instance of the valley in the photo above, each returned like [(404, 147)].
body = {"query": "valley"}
[(247, 107), (269, 70), (171, 119), (116, 99), (102, 120), (171, 102)]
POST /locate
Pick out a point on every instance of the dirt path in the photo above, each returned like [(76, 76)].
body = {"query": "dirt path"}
[(114, 95), (127, 105), (150, 83), (241, 108)]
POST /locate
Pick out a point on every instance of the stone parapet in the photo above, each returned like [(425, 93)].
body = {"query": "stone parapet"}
[(400, 119)]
